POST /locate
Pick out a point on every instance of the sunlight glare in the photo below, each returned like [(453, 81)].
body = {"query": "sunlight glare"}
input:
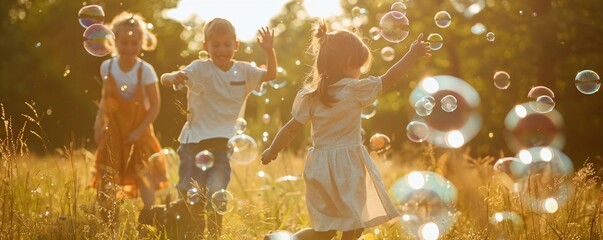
[(525, 156), (430, 231), (521, 111), (551, 205), (546, 154), (455, 139), (245, 25), (430, 85), (416, 180)]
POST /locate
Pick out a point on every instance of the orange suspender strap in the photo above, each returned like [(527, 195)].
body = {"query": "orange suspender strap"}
[(140, 73)]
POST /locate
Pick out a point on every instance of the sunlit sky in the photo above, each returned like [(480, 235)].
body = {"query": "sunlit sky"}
[(247, 16)]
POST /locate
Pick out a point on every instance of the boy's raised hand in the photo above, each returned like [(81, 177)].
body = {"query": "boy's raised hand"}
[(265, 38), (420, 48)]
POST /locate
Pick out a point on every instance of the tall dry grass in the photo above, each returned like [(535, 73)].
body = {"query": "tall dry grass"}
[(49, 198)]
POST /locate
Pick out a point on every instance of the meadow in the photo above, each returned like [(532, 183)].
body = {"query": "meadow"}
[(48, 197)]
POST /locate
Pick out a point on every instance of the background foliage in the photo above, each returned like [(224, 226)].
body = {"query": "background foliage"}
[(542, 42)]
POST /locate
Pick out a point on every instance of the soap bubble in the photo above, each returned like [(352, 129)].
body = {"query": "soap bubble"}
[(380, 142), (490, 36), (219, 201), (91, 14), (242, 149), (98, 40), (369, 111), (417, 131), (544, 104), (203, 55), (204, 160), (588, 82), (448, 103), (399, 6), (442, 19), (394, 27), (435, 41), (388, 54), (240, 125), (502, 80)]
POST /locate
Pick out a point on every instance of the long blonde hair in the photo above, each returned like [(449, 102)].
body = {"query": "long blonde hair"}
[(131, 23), (334, 52)]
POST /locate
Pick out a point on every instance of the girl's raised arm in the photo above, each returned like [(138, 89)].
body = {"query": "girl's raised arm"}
[(418, 49)]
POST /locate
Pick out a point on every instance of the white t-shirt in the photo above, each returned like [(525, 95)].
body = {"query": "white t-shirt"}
[(215, 98), (126, 81)]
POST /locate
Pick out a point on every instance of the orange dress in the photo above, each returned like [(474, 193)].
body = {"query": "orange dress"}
[(121, 163)]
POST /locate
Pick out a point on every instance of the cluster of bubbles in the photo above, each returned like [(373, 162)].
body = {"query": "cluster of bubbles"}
[(219, 200), (456, 120), (540, 175), (426, 202), (98, 38), (528, 125)]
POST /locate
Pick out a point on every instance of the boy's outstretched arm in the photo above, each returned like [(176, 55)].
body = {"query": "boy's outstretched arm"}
[(266, 41), (282, 139), (417, 49), (173, 78)]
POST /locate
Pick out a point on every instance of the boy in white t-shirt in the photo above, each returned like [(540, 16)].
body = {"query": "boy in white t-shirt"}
[(217, 89)]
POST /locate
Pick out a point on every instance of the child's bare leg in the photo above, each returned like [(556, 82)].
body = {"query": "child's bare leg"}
[(352, 234), (311, 234)]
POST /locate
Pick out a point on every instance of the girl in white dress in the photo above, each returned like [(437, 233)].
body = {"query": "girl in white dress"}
[(344, 190)]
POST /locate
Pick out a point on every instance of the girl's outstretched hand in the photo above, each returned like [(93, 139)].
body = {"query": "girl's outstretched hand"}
[(420, 48), (266, 38), (268, 156)]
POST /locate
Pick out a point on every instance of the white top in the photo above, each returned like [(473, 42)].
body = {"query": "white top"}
[(344, 190), (126, 81), (215, 98)]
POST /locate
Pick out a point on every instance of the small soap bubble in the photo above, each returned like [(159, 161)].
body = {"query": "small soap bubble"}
[(388, 54), (417, 131), (442, 19), (490, 36), (204, 160), (435, 41), (502, 80), (449, 103), (588, 82)]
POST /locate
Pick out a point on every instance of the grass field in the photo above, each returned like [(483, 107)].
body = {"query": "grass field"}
[(49, 198)]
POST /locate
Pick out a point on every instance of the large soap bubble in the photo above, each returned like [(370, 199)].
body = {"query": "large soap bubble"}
[(242, 149), (394, 26), (426, 201), (98, 40)]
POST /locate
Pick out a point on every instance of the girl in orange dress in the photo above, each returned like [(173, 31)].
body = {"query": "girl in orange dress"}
[(123, 128)]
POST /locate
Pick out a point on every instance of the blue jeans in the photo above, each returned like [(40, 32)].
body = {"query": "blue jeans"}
[(211, 180)]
